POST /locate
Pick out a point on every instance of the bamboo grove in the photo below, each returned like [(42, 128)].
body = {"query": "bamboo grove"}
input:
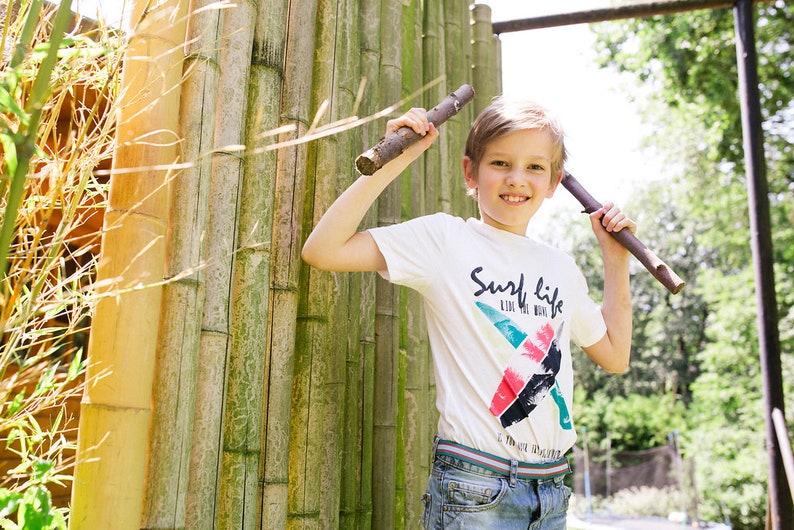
[(229, 385)]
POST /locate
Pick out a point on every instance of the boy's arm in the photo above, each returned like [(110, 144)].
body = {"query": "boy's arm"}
[(612, 352), (335, 244)]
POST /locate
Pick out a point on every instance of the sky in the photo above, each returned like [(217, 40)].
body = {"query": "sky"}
[(557, 68)]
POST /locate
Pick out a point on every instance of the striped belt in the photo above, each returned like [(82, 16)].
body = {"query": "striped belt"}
[(503, 466)]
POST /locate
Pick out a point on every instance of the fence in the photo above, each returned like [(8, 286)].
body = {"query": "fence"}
[(283, 397)]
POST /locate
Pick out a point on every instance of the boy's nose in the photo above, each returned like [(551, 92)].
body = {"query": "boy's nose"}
[(514, 179)]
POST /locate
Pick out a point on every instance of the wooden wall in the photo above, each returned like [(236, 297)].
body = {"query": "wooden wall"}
[(286, 397)]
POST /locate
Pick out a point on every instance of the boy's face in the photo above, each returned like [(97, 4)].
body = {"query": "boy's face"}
[(513, 178)]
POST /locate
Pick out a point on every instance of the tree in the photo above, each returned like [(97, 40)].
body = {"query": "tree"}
[(689, 61)]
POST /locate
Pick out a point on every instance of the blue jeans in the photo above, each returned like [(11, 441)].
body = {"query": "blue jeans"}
[(462, 495)]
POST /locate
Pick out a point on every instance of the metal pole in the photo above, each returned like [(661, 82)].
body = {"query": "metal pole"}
[(634, 10), (609, 464), (587, 472), (781, 512)]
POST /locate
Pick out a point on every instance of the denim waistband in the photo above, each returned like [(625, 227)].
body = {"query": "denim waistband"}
[(503, 466)]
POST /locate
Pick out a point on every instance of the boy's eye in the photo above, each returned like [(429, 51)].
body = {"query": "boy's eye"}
[(499, 163), (536, 167)]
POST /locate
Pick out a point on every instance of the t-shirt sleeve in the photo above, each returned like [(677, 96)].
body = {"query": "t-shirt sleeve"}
[(588, 321), (411, 249)]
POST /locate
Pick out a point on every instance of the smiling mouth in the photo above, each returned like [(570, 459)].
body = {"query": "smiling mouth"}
[(515, 198)]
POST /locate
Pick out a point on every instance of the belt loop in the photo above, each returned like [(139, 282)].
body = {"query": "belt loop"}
[(436, 439), (513, 473)]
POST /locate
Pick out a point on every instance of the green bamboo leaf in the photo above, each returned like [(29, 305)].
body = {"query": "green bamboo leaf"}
[(46, 382), (16, 403), (56, 425), (34, 512), (8, 103), (41, 468), (76, 367), (9, 502), (10, 152)]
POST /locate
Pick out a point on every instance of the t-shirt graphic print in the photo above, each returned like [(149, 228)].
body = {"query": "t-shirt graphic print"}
[(530, 375)]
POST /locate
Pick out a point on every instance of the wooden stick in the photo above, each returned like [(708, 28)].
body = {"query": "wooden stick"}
[(390, 147), (651, 261)]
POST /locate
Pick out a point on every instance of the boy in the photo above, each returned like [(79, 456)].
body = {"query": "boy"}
[(501, 310)]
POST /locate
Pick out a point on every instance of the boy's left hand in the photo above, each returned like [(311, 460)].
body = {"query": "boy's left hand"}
[(609, 218)]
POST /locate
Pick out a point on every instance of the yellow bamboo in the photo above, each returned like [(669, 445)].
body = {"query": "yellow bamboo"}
[(116, 409)]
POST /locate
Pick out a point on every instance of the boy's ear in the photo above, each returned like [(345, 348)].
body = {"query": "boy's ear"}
[(469, 173), (553, 184)]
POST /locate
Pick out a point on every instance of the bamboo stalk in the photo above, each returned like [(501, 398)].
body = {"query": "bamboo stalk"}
[(244, 405), (24, 144), (315, 349), (288, 211), (370, 22), (115, 411), (413, 204), (183, 299), (433, 49), (484, 57), (345, 91), (387, 301), (266, 82), (230, 115), (457, 31)]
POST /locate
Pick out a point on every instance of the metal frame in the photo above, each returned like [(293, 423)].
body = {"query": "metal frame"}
[(781, 510)]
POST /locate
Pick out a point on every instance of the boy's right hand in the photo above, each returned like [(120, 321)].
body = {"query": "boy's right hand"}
[(416, 120)]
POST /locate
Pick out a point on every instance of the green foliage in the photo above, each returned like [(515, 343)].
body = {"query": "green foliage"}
[(702, 345), (48, 193), (19, 143), (43, 452), (33, 508), (635, 422)]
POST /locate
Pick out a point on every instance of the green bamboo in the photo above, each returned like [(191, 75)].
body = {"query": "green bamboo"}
[(433, 51), (288, 211), (264, 114), (243, 420), (315, 350), (202, 495), (409, 432), (387, 299), (183, 296), (485, 75), (345, 89), (457, 29), (370, 21)]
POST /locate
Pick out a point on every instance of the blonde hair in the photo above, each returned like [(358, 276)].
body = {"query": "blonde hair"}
[(503, 116)]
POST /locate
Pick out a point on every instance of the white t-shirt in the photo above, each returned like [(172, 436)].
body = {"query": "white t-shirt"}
[(501, 312)]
